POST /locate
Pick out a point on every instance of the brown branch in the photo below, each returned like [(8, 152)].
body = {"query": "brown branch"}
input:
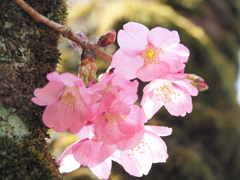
[(64, 30)]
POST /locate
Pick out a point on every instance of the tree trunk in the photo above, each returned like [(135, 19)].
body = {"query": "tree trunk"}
[(28, 51)]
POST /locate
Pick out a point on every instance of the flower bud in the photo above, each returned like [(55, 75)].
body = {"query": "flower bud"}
[(88, 68), (197, 82), (107, 39), (87, 55)]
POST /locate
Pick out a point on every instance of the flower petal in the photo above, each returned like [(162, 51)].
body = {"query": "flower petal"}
[(103, 170), (152, 71), (71, 80), (155, 148), (48, 94), (182, 52), (134, 164), (163, 38), (67, 162), (172, 59), (181, 104), (126, 65), (86, 152), (188, 86), (132, 40), (130, 142), (54, 76), (159, 130), (150, 103), (106, 151), (86, 132)]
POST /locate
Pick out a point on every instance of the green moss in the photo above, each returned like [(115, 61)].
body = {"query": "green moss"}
[(21, 161)]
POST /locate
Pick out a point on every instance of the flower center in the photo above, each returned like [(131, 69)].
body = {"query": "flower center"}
[(150, 55), (166, 93), (69, 100), (114, 120)]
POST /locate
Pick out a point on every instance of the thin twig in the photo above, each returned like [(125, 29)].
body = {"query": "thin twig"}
[(64, 30)]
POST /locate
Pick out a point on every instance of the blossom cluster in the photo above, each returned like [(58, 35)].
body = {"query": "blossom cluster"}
[(104, 114)]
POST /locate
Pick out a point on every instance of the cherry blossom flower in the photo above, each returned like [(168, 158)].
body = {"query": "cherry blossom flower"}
[(152, 149), (67, 101), (148, 54), (174, 95), (116, 119), (136, 161)]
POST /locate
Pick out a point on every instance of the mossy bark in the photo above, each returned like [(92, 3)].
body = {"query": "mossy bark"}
[(28, 51)]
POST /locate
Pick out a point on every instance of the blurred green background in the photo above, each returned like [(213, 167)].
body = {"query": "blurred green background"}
[(205, 145)]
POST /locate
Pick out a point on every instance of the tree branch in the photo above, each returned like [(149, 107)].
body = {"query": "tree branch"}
[(64, 30)]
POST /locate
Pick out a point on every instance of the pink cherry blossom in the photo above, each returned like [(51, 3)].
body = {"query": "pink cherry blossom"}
[(148, 54), (84, 152), (116, 119), (152, 149), (136, 161), (67, 101), (174, 95)]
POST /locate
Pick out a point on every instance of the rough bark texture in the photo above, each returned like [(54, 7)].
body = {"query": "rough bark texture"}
[(28, 51)]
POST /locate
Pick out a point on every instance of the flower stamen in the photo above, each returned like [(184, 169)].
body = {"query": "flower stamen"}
[(150, 55), (69, 101), (112, 118), (165, 93)]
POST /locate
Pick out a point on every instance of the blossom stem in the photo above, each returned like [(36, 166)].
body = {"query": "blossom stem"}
[(93, 76), (62, 29)]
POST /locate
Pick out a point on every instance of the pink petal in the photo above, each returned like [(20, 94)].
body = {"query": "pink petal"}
[(154, 147), (67, 162), (133, 121), (71, 80), (180, 104), (112, 132), (175, 65), (173, 76), (86, 132), (134, 164), (150, 103), (103, 170), (182, 52), (106, 151), (56, 119), (130, 142), (132, 40), (61, 117), (124, 84), (119, 107), (99, 126), (106, 101), (152, 71), (188, 86), (125, 65), (48, 94), (128, 98), (86, 152), (81, 115), (163, 38), (54, 76), (159, 130)]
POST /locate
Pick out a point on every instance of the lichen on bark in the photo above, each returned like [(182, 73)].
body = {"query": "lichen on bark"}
[(28, 51)]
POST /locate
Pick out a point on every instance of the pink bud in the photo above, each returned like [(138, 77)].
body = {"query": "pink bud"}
[(197, 82), (107, 39)]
